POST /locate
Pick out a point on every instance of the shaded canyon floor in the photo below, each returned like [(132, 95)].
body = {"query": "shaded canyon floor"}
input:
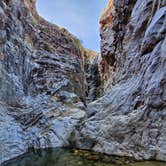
[(74, 157)]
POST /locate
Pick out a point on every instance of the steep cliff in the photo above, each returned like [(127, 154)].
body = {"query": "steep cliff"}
[(42, 80), (51, 87), (130, 118)]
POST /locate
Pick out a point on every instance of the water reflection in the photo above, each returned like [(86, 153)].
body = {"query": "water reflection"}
[(66, 157)]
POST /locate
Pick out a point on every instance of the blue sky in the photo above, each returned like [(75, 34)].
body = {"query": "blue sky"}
[(80, 17)]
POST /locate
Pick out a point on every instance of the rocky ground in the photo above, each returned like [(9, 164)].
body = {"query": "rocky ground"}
[(51, 87)]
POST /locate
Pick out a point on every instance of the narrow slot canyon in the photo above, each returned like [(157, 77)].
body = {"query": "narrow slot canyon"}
[(64, 104)]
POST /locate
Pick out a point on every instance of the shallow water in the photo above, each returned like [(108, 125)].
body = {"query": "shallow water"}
[(66, 157)]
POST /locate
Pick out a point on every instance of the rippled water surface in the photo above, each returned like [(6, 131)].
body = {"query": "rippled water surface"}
[(66, 157)]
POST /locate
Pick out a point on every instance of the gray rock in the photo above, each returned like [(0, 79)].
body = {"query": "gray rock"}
[(42, 81), (45, 74), (129, 120), (3, 36)]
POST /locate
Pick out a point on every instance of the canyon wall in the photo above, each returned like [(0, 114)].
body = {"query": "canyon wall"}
[(42, 80), (51, 87), (130, 118)]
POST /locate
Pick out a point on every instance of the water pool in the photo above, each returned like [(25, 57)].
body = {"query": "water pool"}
[(68, 157)]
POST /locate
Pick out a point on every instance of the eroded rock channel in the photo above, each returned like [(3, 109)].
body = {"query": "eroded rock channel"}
[(55, 93)]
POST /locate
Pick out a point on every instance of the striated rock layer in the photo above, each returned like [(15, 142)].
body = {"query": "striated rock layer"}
[(130, 119), (47, 79), (42, 80)]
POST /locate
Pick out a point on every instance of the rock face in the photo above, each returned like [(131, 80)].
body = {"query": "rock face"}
[(92, 70), (130, 118), (46, 76), (42, 81)]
